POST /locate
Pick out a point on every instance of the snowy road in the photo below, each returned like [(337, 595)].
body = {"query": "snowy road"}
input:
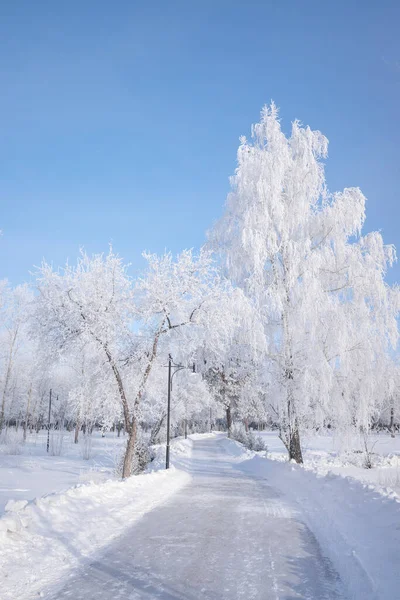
[(225, 535)]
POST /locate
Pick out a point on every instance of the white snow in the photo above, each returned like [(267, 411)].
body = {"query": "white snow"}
[(31, 472), (225, 535), (354, 519), (330, 454), (51, 535), (357, 527)]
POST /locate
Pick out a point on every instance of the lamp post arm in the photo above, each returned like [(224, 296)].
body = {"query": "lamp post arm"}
[(177, 368), (171, 374)]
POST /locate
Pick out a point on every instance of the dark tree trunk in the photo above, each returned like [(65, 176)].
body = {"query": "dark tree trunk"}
[(391, 426), (77, 430), (293, 433), (295, 452), (156, 430), (27, 412), (229, 420)]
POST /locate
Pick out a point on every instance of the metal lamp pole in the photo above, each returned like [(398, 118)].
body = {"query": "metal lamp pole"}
[(168, 410), (170, 377), (48, 424)]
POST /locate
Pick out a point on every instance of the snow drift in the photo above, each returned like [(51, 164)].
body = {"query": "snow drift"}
[(56, 533)]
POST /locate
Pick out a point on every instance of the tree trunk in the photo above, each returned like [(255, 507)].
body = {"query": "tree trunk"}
[(34, 417), (391, 426), (289, 434), (229, 420), (6, 382), (131, 426), (292, 433), (289, 426), (156, 430), (130, 450), (295, 452), (246, 424), (186, 429), (27, 412), (77, 430)]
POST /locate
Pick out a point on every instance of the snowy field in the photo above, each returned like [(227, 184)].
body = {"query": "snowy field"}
[(61, 511), (342, 456), (54, 534), (27, 471)]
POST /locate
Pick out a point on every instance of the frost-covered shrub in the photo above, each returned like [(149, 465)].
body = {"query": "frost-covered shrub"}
[(249, 439), (358, 451), (86, 446), (389, 478), (239, 434), (256, 443), (115, 456), (144, 454), (12, 441), (200, 426), (56, 442)]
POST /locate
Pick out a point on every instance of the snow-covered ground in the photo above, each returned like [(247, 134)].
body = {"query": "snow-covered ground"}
[(51, 535), (27, 471), (248, 527), (334, 454), (357, 525), (323, 531)]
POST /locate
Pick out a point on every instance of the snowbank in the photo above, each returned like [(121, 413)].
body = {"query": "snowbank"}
[(32, 472), (237, 450), (42, 540), (357, 527), (181, 450), (327, 454)]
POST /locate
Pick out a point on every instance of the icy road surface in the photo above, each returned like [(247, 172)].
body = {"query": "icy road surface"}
[(225, 535)]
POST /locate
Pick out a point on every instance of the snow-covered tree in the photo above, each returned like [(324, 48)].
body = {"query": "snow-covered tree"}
[(14, 318), (297, 252), (91, 305), (96, 305)]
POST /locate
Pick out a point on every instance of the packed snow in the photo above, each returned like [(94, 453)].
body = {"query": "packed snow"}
[(55, 533), (317, 536), (27, 471), (357, 528), (332, 454)]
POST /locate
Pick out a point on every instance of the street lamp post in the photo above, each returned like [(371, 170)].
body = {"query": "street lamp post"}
[(172, 369), (48, 423), (168, 410)]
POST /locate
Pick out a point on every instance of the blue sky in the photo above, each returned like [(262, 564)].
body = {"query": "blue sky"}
[(120, 120)]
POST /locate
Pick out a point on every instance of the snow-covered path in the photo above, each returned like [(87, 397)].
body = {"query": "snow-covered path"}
[(225, 535)]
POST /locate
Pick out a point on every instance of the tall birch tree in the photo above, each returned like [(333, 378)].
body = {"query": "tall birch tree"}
[(297, 252)]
